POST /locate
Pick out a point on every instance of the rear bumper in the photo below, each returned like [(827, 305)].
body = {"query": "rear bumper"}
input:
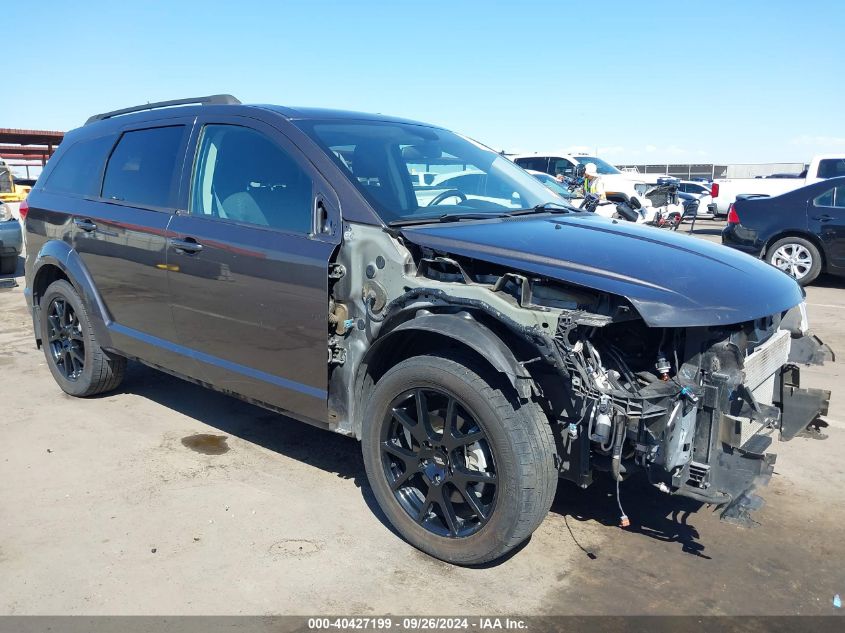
[(742, 239), (11, 238)]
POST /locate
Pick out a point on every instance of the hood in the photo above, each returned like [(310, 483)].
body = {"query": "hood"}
[(673, 280)]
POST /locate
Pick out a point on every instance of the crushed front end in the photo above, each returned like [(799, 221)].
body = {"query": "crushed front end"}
[(695, 408), (683, 382)]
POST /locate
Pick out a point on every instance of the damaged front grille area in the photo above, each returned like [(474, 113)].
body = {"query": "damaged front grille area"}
[(694, 408), (764, 362)]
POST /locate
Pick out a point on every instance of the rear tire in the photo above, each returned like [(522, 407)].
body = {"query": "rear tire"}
[(797, 257), (76, 360), (493, 438), (8, 264)]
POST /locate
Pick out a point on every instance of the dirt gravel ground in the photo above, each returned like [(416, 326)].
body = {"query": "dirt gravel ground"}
[(114, 505)]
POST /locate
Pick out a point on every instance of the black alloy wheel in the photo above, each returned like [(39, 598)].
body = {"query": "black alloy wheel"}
[(438, 462), (461, 466), (80, 366), (65, 338)]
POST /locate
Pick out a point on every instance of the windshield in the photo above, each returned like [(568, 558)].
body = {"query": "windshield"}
[(602, 166), (414, 172)]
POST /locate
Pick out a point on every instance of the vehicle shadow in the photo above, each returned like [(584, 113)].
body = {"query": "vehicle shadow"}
[(829, 281), (327, 451), (702, 228), (11, 280), (652, 513)]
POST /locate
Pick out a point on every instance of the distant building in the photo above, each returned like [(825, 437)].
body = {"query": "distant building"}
[(688, 171)]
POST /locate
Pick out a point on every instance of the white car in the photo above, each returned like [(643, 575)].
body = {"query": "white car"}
[(706, 205), (552, 183)]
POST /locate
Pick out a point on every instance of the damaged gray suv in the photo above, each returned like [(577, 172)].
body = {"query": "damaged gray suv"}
[(402, 284)]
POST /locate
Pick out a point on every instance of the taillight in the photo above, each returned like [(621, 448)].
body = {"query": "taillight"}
[(733, 218), (23, 210), (714, 190)]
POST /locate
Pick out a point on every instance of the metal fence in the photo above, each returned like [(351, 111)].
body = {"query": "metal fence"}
[(688, 171)]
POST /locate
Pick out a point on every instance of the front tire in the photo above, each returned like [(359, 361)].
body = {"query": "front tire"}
[(76, 360), (797, 257), (462, 468)]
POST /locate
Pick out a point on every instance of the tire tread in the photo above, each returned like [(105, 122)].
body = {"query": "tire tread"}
[(107, 371)]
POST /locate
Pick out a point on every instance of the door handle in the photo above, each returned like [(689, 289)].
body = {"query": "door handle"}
[(823, 218), (188, 245), (85, 224)]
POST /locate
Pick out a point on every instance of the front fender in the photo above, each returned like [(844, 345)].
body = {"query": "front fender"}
[(61, 255), (465, 329)]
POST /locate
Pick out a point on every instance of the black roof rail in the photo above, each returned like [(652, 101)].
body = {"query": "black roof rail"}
[(209, 100)]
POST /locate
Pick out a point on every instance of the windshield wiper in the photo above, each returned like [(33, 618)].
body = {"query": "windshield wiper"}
[(546, 207), (447, 217)]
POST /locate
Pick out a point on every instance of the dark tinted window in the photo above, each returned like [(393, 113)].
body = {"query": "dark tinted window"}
[(562, 166), (831, 167), (142, 167), (537, 164), (242, 175), (80, 167)]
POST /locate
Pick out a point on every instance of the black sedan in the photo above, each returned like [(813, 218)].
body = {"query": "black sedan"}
[(802, 232)]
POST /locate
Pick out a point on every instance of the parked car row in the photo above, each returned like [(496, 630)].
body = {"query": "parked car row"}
[(396, 282), (623, 185), (796, 223)]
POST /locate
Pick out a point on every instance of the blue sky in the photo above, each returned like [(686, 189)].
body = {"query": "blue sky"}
[(642, 81)]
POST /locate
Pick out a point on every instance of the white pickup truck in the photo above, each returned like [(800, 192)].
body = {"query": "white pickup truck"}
[(725, 190), (615, 181)]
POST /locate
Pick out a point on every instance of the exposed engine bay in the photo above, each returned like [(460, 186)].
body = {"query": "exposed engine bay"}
[(694, 409)]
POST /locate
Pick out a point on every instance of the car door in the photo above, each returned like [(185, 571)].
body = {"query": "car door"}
[(248, 261), (120, 234), (827, 220)]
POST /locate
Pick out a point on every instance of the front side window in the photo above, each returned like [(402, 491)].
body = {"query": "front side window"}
[(142, 168), (561, 166), (80, 168), (831, 198), (415, 172), (243, 176)]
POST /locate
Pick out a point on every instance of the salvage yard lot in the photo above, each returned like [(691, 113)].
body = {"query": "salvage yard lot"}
[(112, 506)]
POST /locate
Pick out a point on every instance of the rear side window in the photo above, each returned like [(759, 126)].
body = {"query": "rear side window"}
[(831, 198), (80, 167), (142, 168), (831, 167)]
